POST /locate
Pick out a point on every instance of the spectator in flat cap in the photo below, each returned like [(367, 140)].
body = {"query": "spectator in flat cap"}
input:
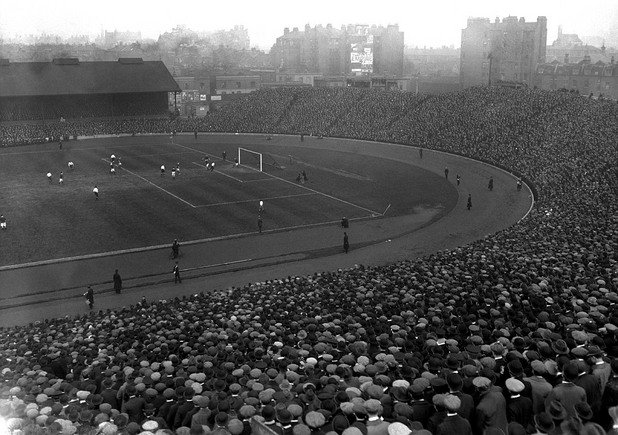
[(591, 385), (108, 393), (421, 408), (269, 415), (610, 396), (455, 384), (518, 408), (134, 405), (539, 385), (567, 393), (202, 415), (375, 423), (490, 411), (397, 428), (453, 423)]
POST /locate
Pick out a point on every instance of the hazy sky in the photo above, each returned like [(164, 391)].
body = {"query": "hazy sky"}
[(425, 23)]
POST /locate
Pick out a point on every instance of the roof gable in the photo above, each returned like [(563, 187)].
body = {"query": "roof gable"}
[(61, 77)]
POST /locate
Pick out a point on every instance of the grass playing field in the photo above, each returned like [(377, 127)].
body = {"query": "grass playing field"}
[(138, 207)]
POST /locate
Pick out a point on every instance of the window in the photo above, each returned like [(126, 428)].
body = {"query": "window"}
[(238, 85)]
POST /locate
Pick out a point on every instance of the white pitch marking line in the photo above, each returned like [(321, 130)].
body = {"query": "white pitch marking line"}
[(294, 184), (158, 187), (318, 192), (219, 172), (253, 200)]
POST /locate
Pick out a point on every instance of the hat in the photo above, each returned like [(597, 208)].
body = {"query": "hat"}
[(514, 385), (246, 411), (373, 406), (481, 382), (560, 347), (544, 422), (315, 419), (556, 410), (583, 411), (397, 428), (452, 403), (538, 367)]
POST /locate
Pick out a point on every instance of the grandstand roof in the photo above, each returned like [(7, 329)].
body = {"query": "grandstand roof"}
[(71, 77)]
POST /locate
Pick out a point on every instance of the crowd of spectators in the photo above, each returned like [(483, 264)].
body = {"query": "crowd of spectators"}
[(515, 333)]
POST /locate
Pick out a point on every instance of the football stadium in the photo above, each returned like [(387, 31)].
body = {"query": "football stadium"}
[(348, 261)]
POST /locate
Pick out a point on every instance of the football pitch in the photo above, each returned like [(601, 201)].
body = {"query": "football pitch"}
[(139, 208)]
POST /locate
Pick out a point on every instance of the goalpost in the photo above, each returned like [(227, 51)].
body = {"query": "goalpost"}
[(250, 158)]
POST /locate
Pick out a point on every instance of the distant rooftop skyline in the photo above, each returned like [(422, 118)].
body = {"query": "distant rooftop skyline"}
[(426, 23)]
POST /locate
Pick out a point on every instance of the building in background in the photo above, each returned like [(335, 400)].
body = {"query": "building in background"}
[(509, 50), (586, 77), (356, 49)]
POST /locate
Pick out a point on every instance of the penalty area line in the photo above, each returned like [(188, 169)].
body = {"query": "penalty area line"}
[(254, 200), (155, 185)]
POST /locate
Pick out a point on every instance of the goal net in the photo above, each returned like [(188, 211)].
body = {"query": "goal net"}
[(251, 159)]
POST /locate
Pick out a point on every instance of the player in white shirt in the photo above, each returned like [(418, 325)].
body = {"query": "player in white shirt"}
[(162, 170), (173, 173), (70, 165), (2, 222), (112, 158), (212, 166), (96, 192), (112, 170), (61, 178)]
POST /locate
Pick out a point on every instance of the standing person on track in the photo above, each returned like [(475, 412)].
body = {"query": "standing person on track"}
[(175, 249), (176, 272), (89, 295), (469, 204), (519, 184), (259, 223), (458, 179), (346, 242), (490, 186), (446, 172), (96, 192), (117, 282), (420, 152)]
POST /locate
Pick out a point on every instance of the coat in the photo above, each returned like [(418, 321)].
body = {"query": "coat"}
[(491, 411), (454, 424)]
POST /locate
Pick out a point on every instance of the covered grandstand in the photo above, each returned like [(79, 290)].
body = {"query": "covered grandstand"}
[(68, 88)]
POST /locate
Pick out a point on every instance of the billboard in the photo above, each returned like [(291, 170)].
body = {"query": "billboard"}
[(361, 55)]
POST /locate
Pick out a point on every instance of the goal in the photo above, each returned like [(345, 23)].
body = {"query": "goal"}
[(251, 159)]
